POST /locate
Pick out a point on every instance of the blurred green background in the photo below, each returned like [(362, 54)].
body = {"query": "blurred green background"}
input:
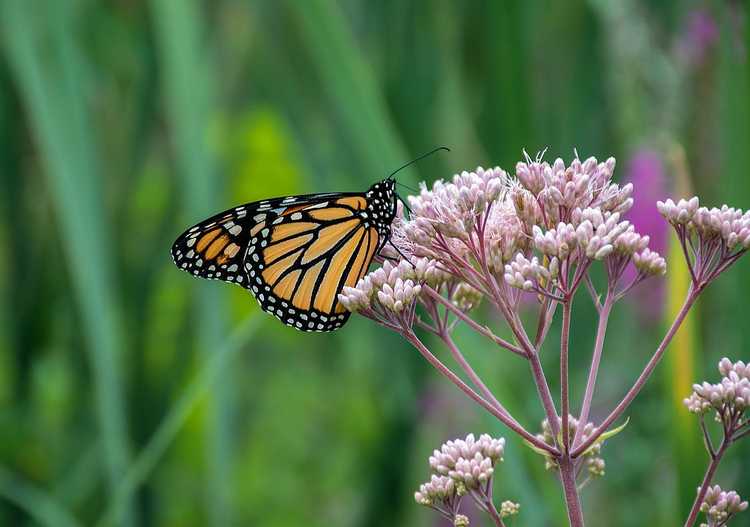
[(131, 394)]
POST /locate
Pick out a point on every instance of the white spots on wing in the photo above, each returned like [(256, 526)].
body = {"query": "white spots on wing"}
[(255, 257), (199, 263), (235, 230), (233, 268), (191, 241), (278, 220), (318, 206), (190, 253), (296, 216), (259, 217), (289, 200), (264, 232)]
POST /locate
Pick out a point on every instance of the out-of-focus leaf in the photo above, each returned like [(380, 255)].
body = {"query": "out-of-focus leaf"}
[(50, 72)]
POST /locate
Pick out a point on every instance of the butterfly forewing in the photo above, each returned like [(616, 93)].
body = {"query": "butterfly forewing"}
[(295, 254)]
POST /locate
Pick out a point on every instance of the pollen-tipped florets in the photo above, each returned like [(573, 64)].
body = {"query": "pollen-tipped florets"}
[(393, 287), (559, 189), (444, 461), (719, 506), (729, 396), (730, 225)]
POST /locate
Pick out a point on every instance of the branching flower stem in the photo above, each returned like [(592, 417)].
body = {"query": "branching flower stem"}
[(605, 310), (692, 296), (494, 514), (446, 372), (482, 330), (572, 501), (707, 478), (564, 387), (469, 371)]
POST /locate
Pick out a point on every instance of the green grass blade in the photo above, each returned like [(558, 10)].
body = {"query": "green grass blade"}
[(187, 86), (48, 69), (170, 426), (35, 502), (354, 95)]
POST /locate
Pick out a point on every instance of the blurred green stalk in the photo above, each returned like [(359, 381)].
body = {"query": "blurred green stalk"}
[(38, 504), (149, 457), (188, 92), (50, 73), (679, 375), (354, 95)]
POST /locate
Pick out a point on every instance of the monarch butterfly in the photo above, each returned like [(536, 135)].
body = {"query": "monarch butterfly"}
[(295, 254)]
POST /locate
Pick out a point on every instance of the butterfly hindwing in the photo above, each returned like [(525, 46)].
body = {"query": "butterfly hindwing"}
[(299, 264)]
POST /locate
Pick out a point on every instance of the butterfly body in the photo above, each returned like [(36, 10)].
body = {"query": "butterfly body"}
[(294, 254)]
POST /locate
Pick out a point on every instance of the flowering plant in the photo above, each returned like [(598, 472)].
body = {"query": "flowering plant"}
[(534, 237)]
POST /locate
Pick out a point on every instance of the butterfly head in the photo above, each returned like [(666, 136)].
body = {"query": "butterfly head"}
[(381, 198)]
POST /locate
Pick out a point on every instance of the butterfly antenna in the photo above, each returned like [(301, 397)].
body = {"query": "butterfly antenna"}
[(390, 176)]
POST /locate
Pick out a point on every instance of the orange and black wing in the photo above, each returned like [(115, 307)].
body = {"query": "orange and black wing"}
[(301, 261), (295, 254)]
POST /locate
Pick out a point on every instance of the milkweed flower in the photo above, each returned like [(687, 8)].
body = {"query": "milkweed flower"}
[(712, 239), (720, 506), (729, 398), (440, 489), (481, 454), (394, 288), (509, 508), (463, 467)]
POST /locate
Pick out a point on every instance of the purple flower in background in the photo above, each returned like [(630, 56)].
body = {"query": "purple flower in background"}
[(646, 172), (700, 34)]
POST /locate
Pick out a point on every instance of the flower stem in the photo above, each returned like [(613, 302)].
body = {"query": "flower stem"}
[(469, 371), (455, 379), (645, 374), (471, 323), (544, 393), (601, 330), (710, 471), (492, 511), (572, 501), (564, 388)]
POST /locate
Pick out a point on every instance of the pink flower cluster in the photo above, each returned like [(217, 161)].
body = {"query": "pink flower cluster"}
[(720, 506), (484, 229), (464, 467), (730, 395)]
